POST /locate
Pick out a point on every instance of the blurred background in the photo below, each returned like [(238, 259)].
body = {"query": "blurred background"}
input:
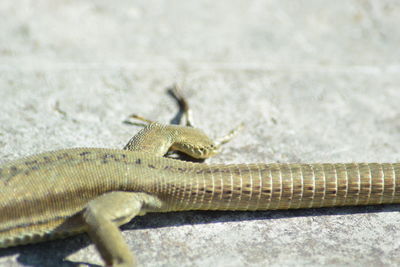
[(312, 80)]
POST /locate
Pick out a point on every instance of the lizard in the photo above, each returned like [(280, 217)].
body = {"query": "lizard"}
[(95, 190)]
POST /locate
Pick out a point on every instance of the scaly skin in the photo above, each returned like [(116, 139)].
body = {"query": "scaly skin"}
[(95, 190), (42, 195)]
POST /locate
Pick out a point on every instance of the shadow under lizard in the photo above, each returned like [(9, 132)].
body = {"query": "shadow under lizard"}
[(95, 190)]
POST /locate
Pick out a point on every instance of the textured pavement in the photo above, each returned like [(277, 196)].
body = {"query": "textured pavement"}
[(313, 81)]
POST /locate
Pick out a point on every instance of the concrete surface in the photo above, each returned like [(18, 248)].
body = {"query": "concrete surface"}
[(312, 80)]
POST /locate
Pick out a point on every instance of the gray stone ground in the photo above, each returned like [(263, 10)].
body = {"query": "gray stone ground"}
[(314, 81)]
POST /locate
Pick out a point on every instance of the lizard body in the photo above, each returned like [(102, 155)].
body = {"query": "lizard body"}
[(94, 190)]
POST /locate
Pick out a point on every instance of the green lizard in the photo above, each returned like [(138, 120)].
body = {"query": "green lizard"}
[(95, 190)]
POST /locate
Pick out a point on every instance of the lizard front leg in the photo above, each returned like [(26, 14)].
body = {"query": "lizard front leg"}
[(104, 214)]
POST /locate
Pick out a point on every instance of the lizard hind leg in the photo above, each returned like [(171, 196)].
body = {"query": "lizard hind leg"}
[(175, 92), (228, 137), (161, 140), (195, 143), (104, 214), (200, 147)]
